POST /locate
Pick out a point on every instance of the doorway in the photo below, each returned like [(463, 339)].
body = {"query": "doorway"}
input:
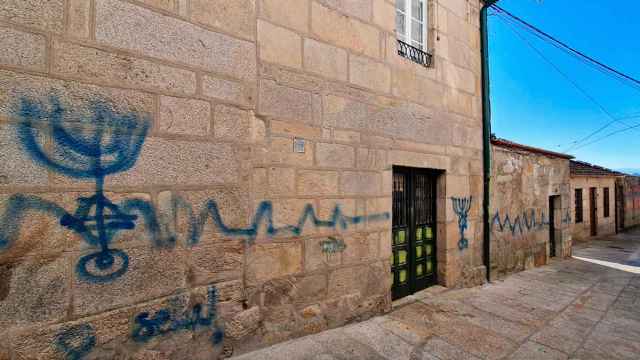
[(554, 222), (593, 210), (619, 206), (413, 262)]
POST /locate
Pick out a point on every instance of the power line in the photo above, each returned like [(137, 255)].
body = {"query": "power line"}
[(567, 47), (609, 135), (507, 22)]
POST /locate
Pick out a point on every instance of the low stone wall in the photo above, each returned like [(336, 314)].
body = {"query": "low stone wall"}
[(521, 185)]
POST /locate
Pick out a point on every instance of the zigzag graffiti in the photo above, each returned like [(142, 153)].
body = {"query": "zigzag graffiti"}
[(520, 223)]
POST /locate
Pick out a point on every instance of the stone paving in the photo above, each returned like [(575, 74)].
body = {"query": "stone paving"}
[(587, 307)]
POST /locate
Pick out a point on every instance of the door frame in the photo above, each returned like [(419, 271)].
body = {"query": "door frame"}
[(593, 210), (414, 285)]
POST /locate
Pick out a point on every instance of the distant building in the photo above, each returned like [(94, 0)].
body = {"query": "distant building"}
[(530, 206), (593, 200)]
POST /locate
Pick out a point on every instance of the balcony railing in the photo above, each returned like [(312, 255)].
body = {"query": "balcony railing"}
[(414, 54)]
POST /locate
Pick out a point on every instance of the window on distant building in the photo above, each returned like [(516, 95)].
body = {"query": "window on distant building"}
[(411, 30), (578, 199), (605, 203)]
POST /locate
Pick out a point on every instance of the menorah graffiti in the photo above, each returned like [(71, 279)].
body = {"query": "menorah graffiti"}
[(107, 143), (461, 207)]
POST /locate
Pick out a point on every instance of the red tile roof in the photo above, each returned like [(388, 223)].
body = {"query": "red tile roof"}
[(581, 168)]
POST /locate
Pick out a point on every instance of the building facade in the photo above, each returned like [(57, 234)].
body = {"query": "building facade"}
[(198, 178), (593, 200), (628, 208), (530, 207)]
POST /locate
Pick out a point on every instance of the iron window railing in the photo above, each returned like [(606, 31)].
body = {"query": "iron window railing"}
[(414, 54)]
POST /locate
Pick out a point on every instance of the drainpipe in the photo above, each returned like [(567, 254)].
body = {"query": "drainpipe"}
[(486, 137)]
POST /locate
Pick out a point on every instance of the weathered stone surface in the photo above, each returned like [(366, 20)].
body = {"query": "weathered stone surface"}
[(369, 74), (244, 323), (336, 28), (43, 14), (181, 162), (314, 182), (285, 102), (281, 152), (22, 49), (384, 15), (279, 45), (269, 261), (296, 15), (228, 90), (236, 17), (281, 181), (232, 123), (359, 8), (16, 166), (168, 5), (79, 18), (90, 64), (345, 113), (335, 155), (325, 59), (130, 27), (360, 183), (184, 116)]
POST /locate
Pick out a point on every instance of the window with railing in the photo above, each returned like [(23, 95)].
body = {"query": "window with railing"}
[(411, 30)]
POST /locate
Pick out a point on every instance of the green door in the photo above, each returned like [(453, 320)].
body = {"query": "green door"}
[(413, 262)]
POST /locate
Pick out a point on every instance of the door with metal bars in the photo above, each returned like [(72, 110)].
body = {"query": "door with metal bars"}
[(413, 262)]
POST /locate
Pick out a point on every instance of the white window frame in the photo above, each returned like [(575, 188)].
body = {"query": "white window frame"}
[(406, 36)]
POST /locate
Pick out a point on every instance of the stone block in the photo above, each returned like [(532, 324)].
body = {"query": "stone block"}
[(364, 280), (345, 113), (281, 181), (79, 19), (369, 74), (236, 17), (152, 273), (95, 65), (165, 161), (414, 159), (16, 165), (22, 49), (357, 8), (286, 103), (459, 8), (346, 136), (214, 263), (228, 90), (45, 15), (126, 26), (167, 5), (325, 60), (344, 31), (317, 183), (315, 258), (279, 45), (335, 155), (75, 98), (34, 291), (270, 261), (184, 116), (360, 183), (289, 212), (296, 15), (231, 123), (384, 15), (459, 78), (360, 247), (372, 159), (281, 152), (295, 129), (244, 323)]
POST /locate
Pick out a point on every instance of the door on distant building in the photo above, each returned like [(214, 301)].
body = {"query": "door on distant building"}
[(554, 223), (619, 194), (593, 210), (413, 262)]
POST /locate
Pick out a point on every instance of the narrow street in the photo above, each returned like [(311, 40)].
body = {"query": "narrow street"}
[(587, 307)]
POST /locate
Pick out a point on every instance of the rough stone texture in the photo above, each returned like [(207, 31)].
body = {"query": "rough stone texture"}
[(279, 45), (630, 187), (15, 166), (523, 183), (129, 27), (312, 182), (236, 17), (232, 123), (325, 60), (94, 65), (22, 49), (285, 102), (296, 15), (271, 261), (335, 155), (43, 14), (184, 116), (79, 18), (228, 90)]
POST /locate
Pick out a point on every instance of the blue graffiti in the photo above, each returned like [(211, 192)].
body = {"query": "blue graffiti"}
[(105, 144), (461, 207), (164, 321), (527, 221), (76, 342)]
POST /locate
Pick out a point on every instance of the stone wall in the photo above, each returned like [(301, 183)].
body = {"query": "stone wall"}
[(631, 191), (195, 178), (521, 184), (606, 225)]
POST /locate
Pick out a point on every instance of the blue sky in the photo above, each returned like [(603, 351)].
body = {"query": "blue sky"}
[(535, 105)]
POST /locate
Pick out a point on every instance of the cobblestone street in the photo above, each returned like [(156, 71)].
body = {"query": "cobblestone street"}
[(587, 307)]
